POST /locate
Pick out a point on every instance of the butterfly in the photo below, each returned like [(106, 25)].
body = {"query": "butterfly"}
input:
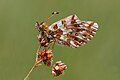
[(69, 31)]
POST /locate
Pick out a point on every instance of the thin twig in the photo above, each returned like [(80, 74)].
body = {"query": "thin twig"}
[(38, 52), (34, 64), (53, 47), (30, 72)]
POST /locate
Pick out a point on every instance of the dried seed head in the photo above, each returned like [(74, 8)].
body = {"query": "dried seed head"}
[(58, 68), (43, 41), (46, 56)]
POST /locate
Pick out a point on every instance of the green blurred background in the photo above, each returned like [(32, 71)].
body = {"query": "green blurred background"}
[(97, 60)]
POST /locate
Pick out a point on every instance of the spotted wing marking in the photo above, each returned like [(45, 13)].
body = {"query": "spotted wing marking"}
[(72, 32)]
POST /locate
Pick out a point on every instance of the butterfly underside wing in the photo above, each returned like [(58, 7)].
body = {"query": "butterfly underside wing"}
[(73, 32)]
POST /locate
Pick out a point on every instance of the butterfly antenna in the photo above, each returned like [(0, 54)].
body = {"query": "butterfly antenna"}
[(53, 13)]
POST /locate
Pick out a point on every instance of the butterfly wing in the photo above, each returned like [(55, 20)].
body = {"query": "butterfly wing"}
[(72, 32)]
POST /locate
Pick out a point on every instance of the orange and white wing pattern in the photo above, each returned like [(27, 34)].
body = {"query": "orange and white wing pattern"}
[(73, 32)]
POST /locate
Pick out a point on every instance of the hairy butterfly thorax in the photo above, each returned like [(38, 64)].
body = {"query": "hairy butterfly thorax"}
[(45, 38)]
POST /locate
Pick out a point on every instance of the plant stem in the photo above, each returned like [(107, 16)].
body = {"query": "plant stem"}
[(30, 72), (34, 64), (38, 52)]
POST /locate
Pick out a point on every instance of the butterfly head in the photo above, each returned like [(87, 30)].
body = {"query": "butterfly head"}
[(40, 26)]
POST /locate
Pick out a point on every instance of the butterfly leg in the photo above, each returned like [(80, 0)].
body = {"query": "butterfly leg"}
[(49, 46)]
